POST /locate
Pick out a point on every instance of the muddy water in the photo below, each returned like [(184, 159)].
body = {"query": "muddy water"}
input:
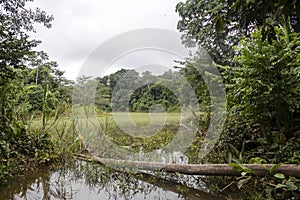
[(87, 181)]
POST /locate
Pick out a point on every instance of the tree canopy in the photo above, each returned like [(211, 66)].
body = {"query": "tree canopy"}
[(15, 46), (218, 25)]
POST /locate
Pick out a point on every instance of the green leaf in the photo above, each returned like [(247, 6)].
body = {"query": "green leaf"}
[(280, 186), (291, 186), (279, 175), (259, 161), (272, 169), (241, 168), (219, 23), (234, 150), (237, 167)]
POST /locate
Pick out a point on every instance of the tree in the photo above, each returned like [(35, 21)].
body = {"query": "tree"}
[(15, 20), (102, 97), (200, 20), (218, 25), (263, 95), (15, 47), (266, 14), (42, 72), (266, 86), (19, 18), (157, 93), (83, 90)]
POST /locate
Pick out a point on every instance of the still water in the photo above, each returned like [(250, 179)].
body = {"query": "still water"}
[(88, 181)]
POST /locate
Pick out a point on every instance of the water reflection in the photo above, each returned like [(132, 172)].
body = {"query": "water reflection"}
[(83, 180)]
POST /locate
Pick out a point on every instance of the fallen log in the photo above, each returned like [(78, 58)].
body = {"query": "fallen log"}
[(196, 169)]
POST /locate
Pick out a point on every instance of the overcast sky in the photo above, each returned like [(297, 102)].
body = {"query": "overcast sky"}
[(80, 26)]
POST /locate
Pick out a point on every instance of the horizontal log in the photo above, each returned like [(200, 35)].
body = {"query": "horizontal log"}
[(199, 169)]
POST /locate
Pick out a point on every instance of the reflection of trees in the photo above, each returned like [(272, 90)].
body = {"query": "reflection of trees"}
[(23, 185), (61, 183), (116, 185)]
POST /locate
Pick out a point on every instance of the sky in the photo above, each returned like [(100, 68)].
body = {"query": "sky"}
[(80, 26)]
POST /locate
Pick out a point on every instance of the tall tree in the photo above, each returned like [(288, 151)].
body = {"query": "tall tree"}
[(15, 47), (201, 21), (218, 25)]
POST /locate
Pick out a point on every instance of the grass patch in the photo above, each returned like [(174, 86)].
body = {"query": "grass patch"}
[(162, 126)]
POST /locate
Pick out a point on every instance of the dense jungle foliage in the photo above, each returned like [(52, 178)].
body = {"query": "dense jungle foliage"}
[(31, 87), (254, 44)]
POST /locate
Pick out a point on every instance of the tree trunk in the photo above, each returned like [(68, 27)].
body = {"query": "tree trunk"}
[(196, 169)]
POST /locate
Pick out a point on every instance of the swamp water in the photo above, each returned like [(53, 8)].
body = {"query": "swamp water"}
[(89, 181)]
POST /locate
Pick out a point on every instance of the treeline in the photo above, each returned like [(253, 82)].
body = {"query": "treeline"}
[(129, 91)]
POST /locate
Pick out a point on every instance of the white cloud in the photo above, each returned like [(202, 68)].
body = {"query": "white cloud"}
[(82, 25)]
